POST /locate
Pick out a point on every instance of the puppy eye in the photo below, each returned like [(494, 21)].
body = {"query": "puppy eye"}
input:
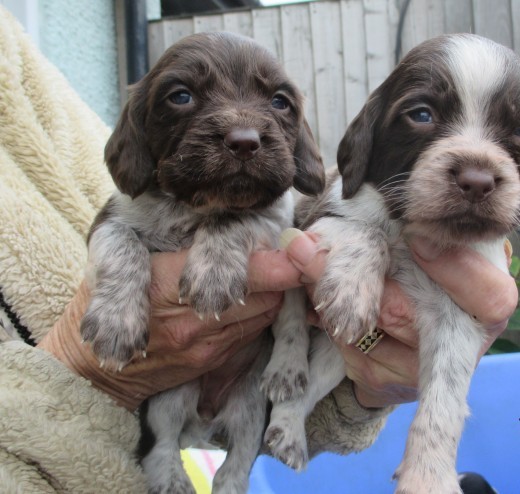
[(280, 102), (181, 97), (421, 115)]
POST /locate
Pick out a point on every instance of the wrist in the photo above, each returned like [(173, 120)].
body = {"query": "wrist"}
[(63, 341)]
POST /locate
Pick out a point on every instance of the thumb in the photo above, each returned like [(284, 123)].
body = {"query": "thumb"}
[(304, 251)]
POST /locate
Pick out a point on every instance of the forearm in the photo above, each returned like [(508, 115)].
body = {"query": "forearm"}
[(64, 342)]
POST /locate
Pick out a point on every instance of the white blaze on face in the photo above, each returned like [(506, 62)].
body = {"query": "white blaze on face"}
[(477, 66)]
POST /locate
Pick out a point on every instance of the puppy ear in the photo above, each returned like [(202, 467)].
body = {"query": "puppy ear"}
[(355, 149), (310, 172), (126, 153)]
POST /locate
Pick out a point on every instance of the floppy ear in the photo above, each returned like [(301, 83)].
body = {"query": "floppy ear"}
[(355, 149), (310, 172), (126, 153)]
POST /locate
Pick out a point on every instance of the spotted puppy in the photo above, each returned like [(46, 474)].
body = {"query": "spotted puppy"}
[(204, 155), (434, 152)]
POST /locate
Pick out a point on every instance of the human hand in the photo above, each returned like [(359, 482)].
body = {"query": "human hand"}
[(181, 346), (389, 373)]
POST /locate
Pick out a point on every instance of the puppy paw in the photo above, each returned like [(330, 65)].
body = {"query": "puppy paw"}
[(212, 290), (286, 439), (348, 308), (115, 336), (413, 480), (285, 381)]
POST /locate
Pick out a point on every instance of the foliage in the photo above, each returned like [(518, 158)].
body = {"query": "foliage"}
[(505, 344)]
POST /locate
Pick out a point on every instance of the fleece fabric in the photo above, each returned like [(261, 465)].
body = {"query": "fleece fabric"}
[(57, 432)]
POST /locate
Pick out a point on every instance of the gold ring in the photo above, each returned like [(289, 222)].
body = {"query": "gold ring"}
[(370, 340)]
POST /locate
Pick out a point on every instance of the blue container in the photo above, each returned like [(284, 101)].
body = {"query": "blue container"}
[(490, 444)]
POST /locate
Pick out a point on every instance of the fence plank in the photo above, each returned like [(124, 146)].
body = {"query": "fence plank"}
[(328, 72), (266, 29), (354, 56), (515, 16), (297, 56), (493, 20), (424, 20), (458, 16), (239, 22), (208, 23), (168, 32), (380, 46)]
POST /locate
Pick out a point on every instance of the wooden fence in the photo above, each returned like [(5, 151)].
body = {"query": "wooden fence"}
[(339, 51)]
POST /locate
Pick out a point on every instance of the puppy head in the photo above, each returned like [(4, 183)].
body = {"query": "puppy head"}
[(440, 139), (216, 123)]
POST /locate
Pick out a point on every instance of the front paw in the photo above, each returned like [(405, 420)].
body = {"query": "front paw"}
[(213, 290), (115, 336), (348, 308)]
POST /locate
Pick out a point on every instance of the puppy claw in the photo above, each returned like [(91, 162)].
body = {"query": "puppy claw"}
[(200, 315), (241, 302), (102, 363), (143, 354), (181, 301), (319, 306), (217, 317)]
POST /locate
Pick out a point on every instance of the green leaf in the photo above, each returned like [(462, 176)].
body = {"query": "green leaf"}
[(501, 345), (514, 321), (514, 269)]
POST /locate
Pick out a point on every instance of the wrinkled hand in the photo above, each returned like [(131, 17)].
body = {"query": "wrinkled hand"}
[(181, 346), (389, 373)]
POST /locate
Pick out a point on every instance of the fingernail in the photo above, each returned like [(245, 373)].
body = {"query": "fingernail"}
[(424, 248), (288, 235), (298, 245)]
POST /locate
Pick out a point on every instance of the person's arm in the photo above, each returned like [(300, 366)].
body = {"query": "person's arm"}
[(181, 346), (388, 375)]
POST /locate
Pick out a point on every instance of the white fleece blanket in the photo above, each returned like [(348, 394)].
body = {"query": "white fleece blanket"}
[(52, 181)]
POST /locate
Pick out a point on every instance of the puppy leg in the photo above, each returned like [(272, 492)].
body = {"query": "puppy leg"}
[(287, 373), (116, 320), (285, 435), (348, 295), (167, 415), (244, 418), (215, 274), (449, 345)]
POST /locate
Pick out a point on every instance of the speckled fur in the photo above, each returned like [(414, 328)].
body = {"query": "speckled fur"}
[(181, 185), (397, 175)]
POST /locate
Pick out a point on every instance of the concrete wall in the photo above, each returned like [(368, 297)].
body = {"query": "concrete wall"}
[(79, 37)]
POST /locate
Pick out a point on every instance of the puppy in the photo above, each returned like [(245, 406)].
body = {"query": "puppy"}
[(204, 155), (434, 152)]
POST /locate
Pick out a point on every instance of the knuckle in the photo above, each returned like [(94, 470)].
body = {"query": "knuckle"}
[(501, 306)]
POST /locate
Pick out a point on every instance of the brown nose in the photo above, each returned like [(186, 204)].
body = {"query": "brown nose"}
[(475, 185), (242, 143)]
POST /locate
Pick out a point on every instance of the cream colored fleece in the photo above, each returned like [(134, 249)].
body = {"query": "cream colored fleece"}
[(52, 181), (57, 433)]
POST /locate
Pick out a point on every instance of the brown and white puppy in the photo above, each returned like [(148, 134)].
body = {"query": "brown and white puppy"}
[(204, 155), (434, 151)]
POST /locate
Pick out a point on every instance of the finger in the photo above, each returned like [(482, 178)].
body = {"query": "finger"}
[(389, 362), (397, 316), (271, 270), (476, 285), (378, 385), (166, 270), (215, 350), (305, 253)]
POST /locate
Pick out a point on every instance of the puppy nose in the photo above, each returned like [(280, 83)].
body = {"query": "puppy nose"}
[(475, 185), (242, 143)]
